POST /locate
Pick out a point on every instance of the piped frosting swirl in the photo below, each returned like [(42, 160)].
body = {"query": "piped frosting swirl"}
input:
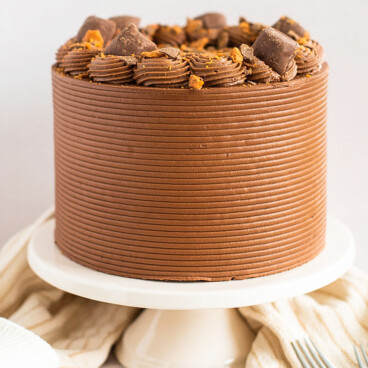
[(162, 70), (169, 36), (76, 61), (217, 71), (64, 49), (259, 72), (205, 41), (112, 69), (309, 58), (196, 30), (246, 32), (291, 71)]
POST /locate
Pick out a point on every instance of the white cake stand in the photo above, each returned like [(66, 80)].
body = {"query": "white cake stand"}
[(189, 324)]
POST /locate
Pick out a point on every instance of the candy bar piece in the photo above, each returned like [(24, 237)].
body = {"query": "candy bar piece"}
[(212, 20), (247, 53), (275, 49), (130, 42), (171, 52), (105, 26), (123, 21), (290, 28)]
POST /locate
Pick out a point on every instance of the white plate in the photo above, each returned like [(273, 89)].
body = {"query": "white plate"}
[(20, 347), (47, 261)]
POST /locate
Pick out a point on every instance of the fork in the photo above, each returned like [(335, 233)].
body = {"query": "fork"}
[(359, 360), (309, 355)]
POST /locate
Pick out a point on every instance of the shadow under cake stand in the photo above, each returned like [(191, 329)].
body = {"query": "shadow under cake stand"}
[(189, 324)]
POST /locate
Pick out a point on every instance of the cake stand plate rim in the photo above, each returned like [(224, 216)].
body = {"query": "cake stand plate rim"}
[(51, 265)]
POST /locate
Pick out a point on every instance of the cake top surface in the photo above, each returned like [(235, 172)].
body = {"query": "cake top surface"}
[(205, 53)]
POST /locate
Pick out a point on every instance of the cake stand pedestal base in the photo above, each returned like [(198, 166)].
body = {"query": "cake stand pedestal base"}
[(189, 324), (189, 338)]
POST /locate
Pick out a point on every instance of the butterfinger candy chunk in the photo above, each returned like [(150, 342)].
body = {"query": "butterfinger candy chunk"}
[(195, 82), (130, 42), (212, 20), (199, 44), (275, 49), (94, 36), (105, 26), (193, 26), (152, 54), (291, 28), (236, 55)]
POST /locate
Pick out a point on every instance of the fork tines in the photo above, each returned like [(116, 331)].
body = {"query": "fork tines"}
[(309, 355), (361, 364)]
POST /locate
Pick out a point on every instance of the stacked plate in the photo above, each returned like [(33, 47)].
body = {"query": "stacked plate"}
[(20, 347)]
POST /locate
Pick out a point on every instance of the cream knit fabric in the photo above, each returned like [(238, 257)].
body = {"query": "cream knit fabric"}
[(83, 331)]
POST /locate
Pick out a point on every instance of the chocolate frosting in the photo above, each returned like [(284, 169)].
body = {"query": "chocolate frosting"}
[(291, 71), (64, 49), (169, 36), (259, 72), (175, 184), (291, 28), (162, 72), (223, 40), (76, 61), (246, 32), (149, 30), (309, 58), (112, 69), (217, 71), (196, 30)]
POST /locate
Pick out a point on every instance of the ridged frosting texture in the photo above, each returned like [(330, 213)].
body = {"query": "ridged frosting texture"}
[(110, 69), (217, 71), (175, 184), (162, 72), (291, 71), (259, 72), (76, 61), (309, 58), (64, 49), (245, 32), (169, 36)]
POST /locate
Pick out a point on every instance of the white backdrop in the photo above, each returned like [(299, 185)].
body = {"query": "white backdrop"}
[(31, 31)]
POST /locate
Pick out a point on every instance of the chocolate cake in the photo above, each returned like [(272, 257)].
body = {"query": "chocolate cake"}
[(194, 153)]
